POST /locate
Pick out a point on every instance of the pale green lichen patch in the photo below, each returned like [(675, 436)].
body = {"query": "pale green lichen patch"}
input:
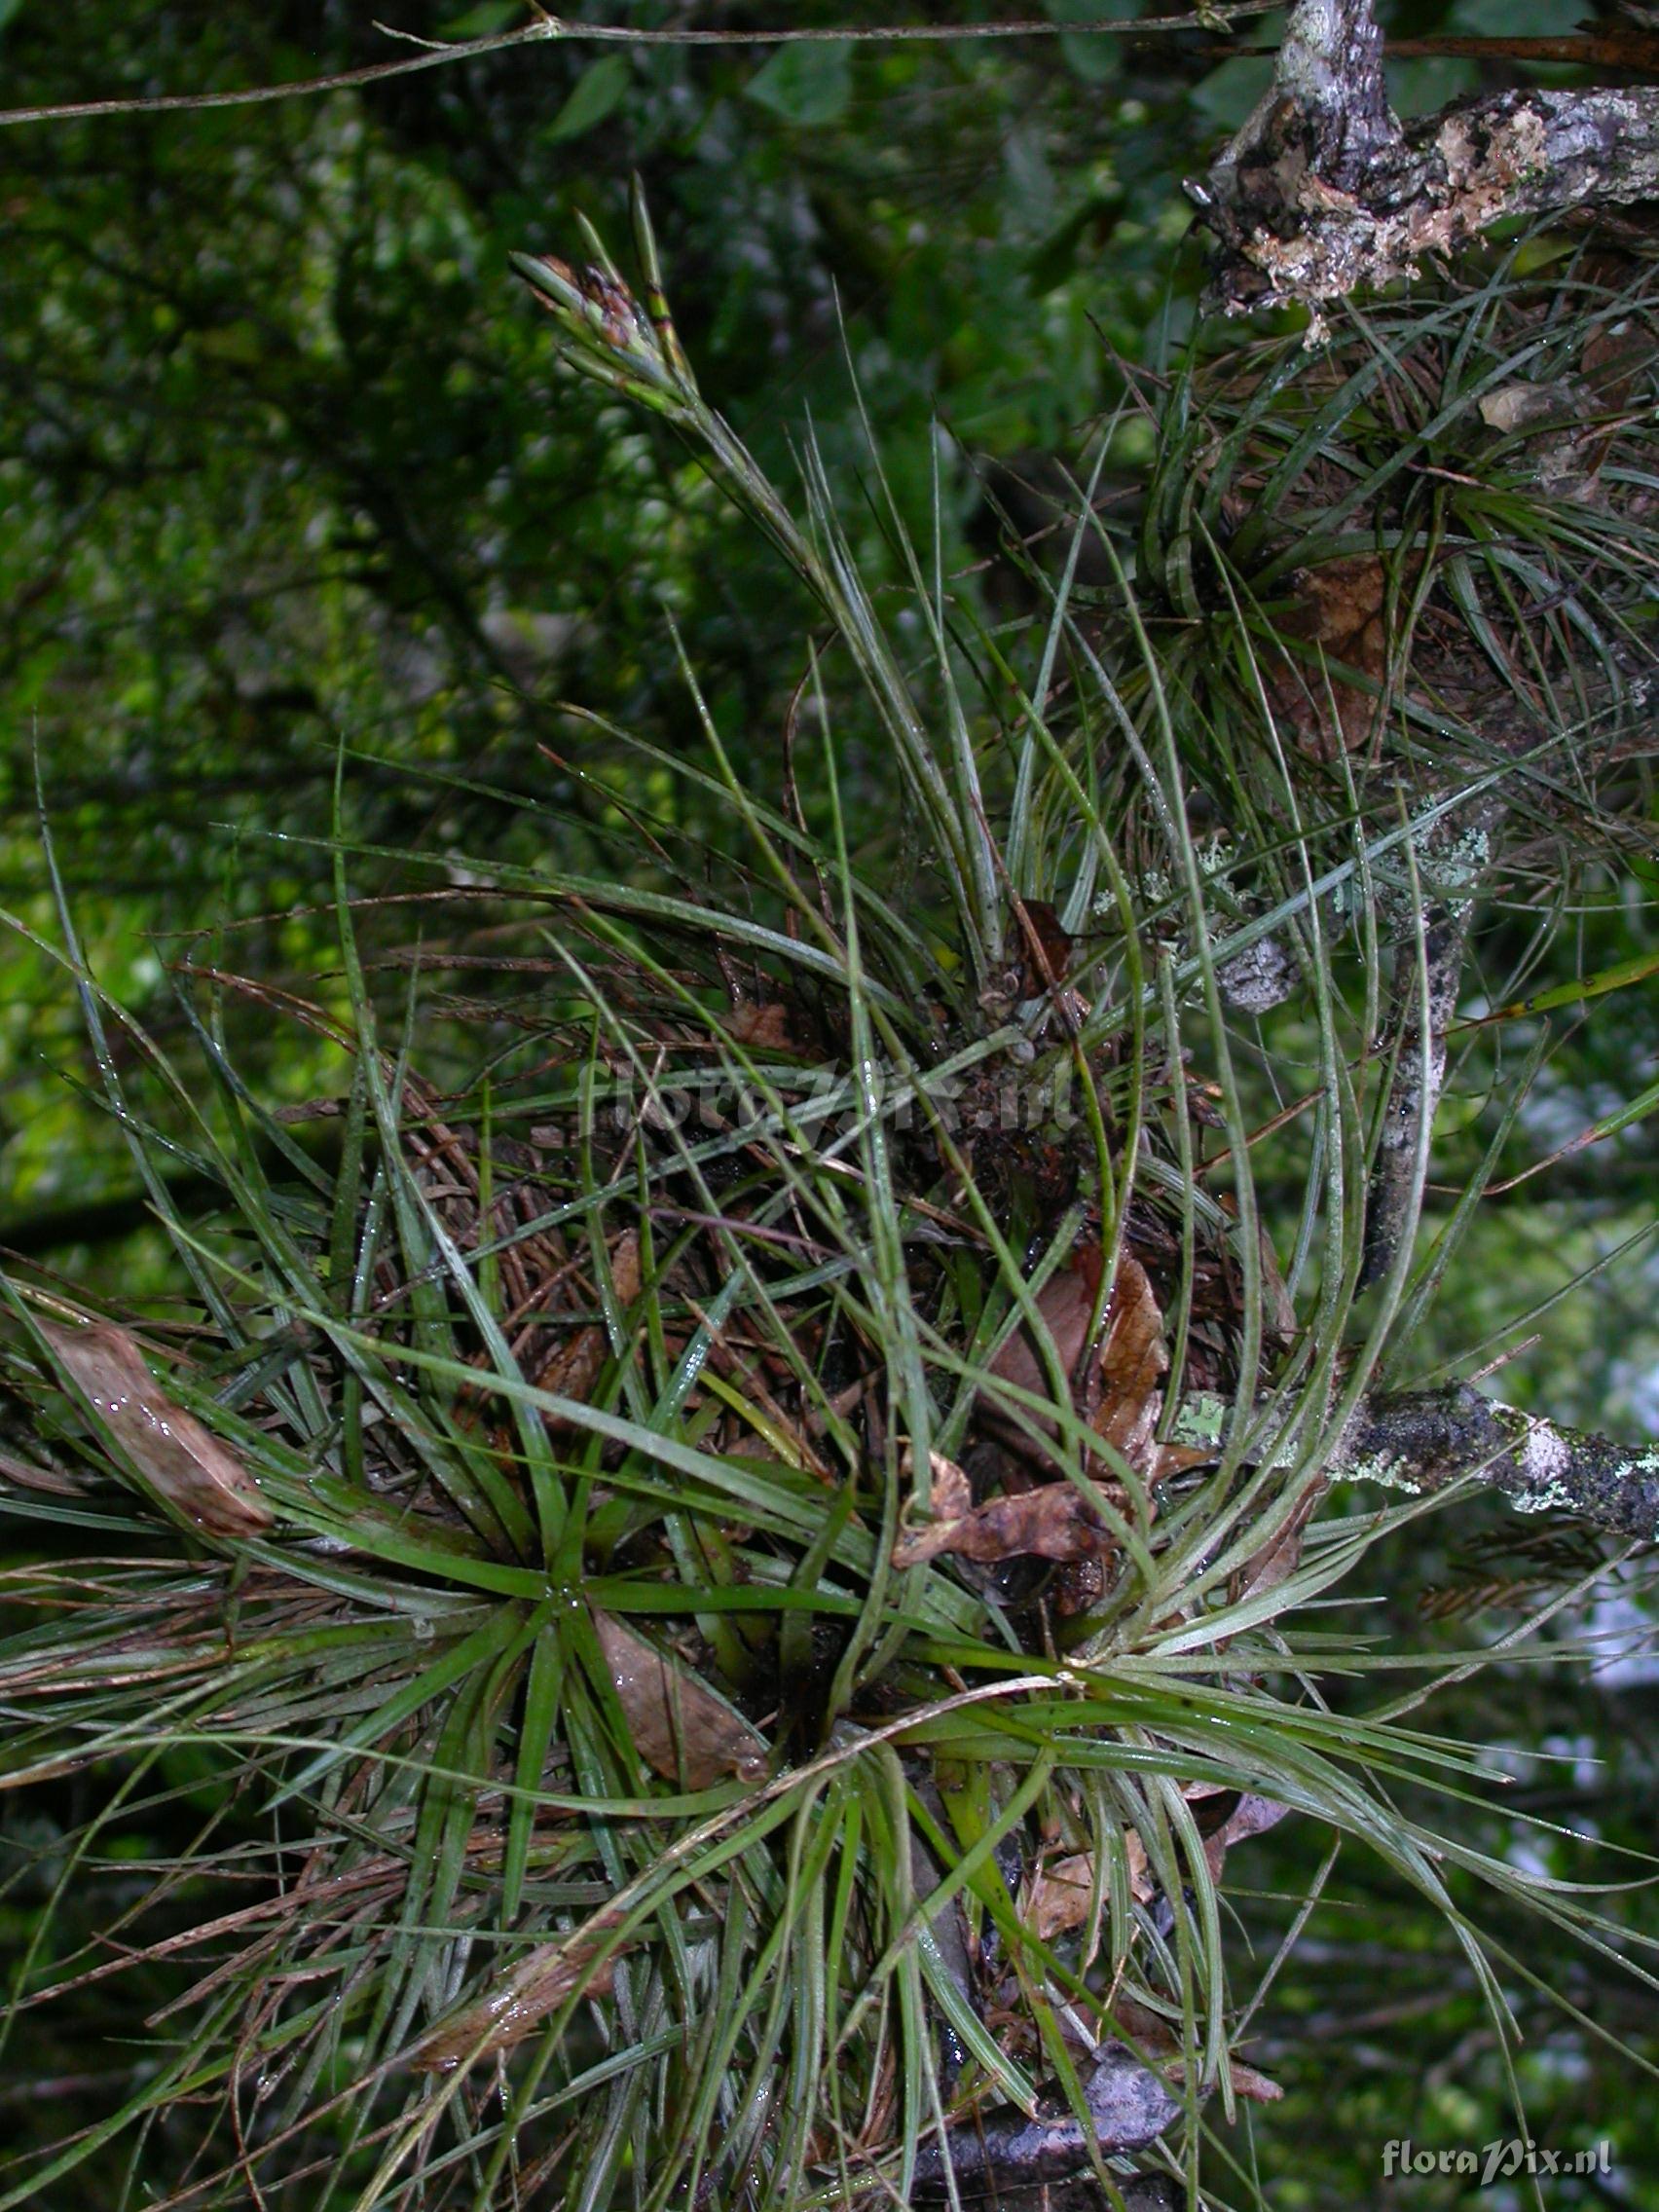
[(1201, 1421), (1451, 860), (1554, 1497), (1391, 1468), (1459, 870)]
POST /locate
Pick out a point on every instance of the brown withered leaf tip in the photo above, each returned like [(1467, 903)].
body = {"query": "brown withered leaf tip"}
[(201, 1478), (680, 1729)]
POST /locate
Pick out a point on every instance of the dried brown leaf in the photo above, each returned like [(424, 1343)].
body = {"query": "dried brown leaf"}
[(1258, 2088), (28, 1474), (1279, 1556), (1143, 1882), (1052, 1522), (1122, 1396), (624, 1256), (1251, 1815), (1341, 610), (1055, 1898), (1279, 1310), (1133, 1362), (1179, 1459), (1615, 356), (950, 1487), (1046, 949), (179, 1460), (1525, 406), (1121, 1400), (1065, 1303), (765, 1028), (680, 1727), (574, 1367), (538, 1985)]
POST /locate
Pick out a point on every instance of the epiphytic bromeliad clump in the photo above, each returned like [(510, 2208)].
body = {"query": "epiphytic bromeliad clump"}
[(705, 1593)]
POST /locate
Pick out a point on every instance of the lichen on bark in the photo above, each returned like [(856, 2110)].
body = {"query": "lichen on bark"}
[(1323, 190)]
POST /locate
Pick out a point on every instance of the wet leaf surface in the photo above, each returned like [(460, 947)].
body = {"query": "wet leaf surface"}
[(680, 1729), (538, 1985), (182, 1460)]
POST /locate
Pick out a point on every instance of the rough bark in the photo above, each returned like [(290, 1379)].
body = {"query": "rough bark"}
[(1129, 2105), (1423, 1440), (1322, 189)]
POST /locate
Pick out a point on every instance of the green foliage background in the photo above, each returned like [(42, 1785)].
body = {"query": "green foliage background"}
[(286, 465)]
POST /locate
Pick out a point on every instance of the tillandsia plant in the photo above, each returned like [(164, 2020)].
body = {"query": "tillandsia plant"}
[(708, 1589)]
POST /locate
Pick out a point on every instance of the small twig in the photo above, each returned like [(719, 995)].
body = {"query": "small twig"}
[(548, 27), (428, 44)]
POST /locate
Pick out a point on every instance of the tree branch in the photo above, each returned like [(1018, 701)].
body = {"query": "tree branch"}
[(1423, 1440), (1129, 2105), (1323, 190)]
